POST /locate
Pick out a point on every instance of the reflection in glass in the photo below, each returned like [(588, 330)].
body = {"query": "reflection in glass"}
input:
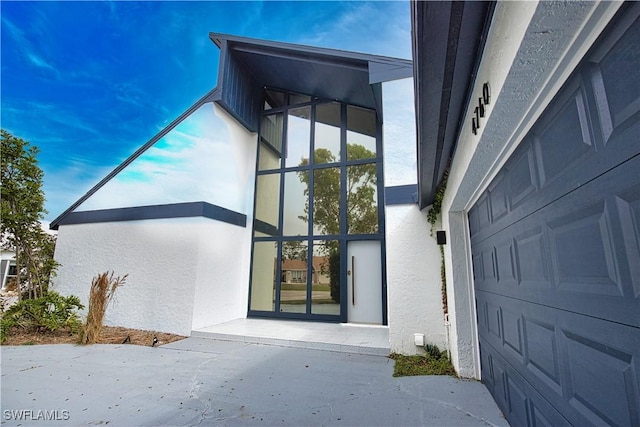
[(293, 283), (274, 99), (298, 135), (361, 133), (325, 280), (263, 277), (362, 199), (327, 133), (296, 200), (267, 158), (271, 130), (295, 98), (268, 199), (326, 201)]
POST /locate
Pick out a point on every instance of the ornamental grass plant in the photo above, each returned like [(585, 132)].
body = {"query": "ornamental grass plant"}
[(103, 289)]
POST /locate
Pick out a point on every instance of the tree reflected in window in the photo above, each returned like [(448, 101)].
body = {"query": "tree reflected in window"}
[(362, 204)]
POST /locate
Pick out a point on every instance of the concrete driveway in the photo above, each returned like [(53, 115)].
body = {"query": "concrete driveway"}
[(199, 381)]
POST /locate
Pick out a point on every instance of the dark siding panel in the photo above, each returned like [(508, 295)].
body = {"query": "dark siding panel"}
[(241, 93)]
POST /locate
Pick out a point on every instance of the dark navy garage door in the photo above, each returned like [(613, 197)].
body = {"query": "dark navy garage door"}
[(556, 251)]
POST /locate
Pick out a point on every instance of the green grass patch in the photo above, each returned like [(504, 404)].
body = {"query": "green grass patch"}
[(406, 366)]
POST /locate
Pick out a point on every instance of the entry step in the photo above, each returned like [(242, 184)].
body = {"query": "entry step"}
[(338, 337)]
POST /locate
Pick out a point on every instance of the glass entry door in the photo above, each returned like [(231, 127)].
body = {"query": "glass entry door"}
[(309, 284), (318, 188)]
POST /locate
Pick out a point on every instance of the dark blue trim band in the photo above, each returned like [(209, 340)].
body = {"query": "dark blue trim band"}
[(177, 210), (401, 195), (265, 228)]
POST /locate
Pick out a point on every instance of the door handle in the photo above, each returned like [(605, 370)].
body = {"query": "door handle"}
[(353, 280)]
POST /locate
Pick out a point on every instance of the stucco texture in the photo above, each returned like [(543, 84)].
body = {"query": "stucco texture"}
[(413, 280), (169, 263)]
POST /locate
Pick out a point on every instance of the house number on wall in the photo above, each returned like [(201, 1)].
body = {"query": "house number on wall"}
[(480, 110)]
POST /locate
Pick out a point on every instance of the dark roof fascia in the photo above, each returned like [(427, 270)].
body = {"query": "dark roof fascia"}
[(213, 95), (447, 41), (376, 69), (168, 211), (355, 60)]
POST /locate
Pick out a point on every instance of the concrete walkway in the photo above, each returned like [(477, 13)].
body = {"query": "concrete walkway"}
[(199, 381), (342, 337)]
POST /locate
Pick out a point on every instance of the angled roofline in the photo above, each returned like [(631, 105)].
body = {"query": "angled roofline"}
[(209, 97), (379, 69), (248, 64), (312, 52)]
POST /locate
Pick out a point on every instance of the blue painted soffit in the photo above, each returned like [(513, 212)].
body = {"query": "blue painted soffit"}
[(324, 73)]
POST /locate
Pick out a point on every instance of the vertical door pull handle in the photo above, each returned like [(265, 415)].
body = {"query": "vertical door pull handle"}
[(353, 280)]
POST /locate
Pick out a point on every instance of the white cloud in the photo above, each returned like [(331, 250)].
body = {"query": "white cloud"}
[(28, 48), (380, 28)]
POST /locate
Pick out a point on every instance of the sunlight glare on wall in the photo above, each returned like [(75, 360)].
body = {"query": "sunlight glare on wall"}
[(195, 161)]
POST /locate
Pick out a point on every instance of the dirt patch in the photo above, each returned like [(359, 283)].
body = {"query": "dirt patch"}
[(108, 335)]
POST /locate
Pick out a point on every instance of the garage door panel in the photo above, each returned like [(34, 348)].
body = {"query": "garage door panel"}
[(602, 370), (594, 363), (522, 178), (628, 207), (591, 127), (582, 251), (512, 328), (580, 254), (525, 193), (555, 243), (498, 199), (530, 245), (562, 139), (543, 358), (479, 215), (531, 328), (587, 368), (617, 96), (522, 404)]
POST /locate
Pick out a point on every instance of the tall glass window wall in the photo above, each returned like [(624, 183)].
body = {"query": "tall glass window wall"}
[(318, 185)]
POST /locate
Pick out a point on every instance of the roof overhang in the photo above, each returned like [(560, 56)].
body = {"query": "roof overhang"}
[(447, 41), (324, 73)]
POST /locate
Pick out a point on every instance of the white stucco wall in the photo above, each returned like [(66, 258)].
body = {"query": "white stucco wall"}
[(414, 299), (413, 280), (531, 49), (184, 273), (222, 274)]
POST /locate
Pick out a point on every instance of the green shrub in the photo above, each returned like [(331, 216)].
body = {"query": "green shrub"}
[(50, 312)]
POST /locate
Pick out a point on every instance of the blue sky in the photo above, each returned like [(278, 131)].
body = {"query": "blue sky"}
[(89, 82)]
